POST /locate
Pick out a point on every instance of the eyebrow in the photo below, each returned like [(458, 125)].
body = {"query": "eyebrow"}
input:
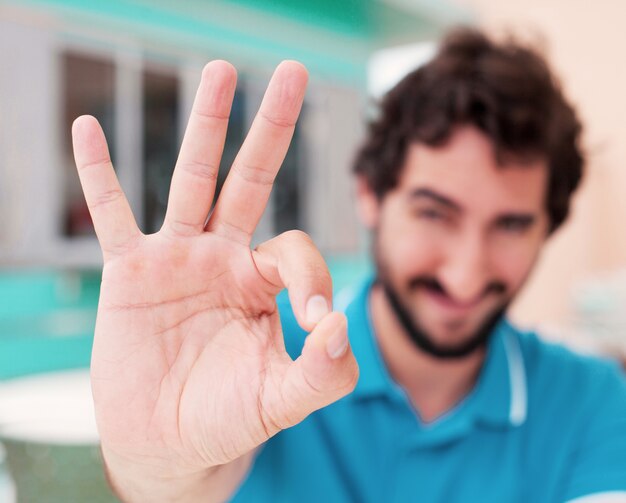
[(528, 218), (525, 218), (425, 193)]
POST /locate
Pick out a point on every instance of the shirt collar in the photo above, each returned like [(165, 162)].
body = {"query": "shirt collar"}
[(499, 397)]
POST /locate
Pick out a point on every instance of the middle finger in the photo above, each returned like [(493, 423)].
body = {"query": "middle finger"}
[(195, 175)]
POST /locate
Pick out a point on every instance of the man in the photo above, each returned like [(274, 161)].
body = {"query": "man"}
[(466, 172)]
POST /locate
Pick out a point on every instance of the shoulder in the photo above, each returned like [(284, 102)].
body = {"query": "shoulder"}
[(548, 359), (566, 379), (577, 416)]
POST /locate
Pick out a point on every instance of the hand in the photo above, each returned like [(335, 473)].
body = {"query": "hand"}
[(189, 369)]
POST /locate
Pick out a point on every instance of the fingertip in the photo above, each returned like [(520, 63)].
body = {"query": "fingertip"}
[(336, 318), (217, 88), (219, 67), (339, 320), (83, 124), (333, 323), (293, 66), (295, 73), (316, 308), (327, 361), (88, 140), (337, 343), (335, 339), (310, 311)]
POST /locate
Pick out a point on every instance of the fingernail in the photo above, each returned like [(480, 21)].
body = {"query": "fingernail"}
[(316, 309), (337, 344)]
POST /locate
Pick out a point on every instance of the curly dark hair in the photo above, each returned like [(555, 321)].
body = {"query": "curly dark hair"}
[(504, 89)]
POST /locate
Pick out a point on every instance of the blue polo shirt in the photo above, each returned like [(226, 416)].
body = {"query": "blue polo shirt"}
[(542, 424)]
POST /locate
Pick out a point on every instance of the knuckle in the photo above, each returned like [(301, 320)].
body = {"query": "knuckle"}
[(207, 118), (183, 229), (298, 236), (280, 122), (351, 380), (201, 170), (231, 231), (314, 275), (254, 174), (99, 164), (121, 247), (107, 197), (304, 255)]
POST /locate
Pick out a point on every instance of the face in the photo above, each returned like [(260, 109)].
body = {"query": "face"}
[(457, 237)]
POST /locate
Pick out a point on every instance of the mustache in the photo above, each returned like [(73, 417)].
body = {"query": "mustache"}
[(433, 284)]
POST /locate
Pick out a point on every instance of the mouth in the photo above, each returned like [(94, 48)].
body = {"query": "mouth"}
[(452, 307)]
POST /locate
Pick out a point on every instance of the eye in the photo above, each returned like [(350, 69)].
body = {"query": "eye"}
[(515, 224), (430, 214)]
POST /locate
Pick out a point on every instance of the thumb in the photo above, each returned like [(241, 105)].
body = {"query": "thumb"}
[(325, 371)]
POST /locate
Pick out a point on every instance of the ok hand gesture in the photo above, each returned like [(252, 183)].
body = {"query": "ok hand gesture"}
[(189, 368)]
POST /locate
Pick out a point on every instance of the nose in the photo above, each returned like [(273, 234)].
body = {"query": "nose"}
[(464, 274)]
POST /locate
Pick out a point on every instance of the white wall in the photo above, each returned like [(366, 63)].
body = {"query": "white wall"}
[(585, 42), (28, 101)]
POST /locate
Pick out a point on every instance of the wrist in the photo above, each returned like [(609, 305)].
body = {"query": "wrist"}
[(135, 482)]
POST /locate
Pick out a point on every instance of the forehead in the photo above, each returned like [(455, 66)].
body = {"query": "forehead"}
[(465, 169)]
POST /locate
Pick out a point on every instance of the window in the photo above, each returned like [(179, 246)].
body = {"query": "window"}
[(288, 189), (235, 136), (88, 88), (160, 143)]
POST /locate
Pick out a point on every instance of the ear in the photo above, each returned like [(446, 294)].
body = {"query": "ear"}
[(368, 206)]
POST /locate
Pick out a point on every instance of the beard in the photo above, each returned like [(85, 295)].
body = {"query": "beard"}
[(417, 334)]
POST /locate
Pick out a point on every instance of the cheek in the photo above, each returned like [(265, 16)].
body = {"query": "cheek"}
[(408, 252), (513, 264)]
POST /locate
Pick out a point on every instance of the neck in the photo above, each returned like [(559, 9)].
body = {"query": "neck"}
[(434, 385)]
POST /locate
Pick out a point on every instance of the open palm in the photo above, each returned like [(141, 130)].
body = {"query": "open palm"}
[(189, 368)]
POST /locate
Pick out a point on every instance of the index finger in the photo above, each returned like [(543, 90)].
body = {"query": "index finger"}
[(249, 182)]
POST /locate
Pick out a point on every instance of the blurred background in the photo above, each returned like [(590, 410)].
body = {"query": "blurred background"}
[(135, 65)]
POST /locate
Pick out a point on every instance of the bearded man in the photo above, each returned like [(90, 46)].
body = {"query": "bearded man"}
[(205, 388)]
